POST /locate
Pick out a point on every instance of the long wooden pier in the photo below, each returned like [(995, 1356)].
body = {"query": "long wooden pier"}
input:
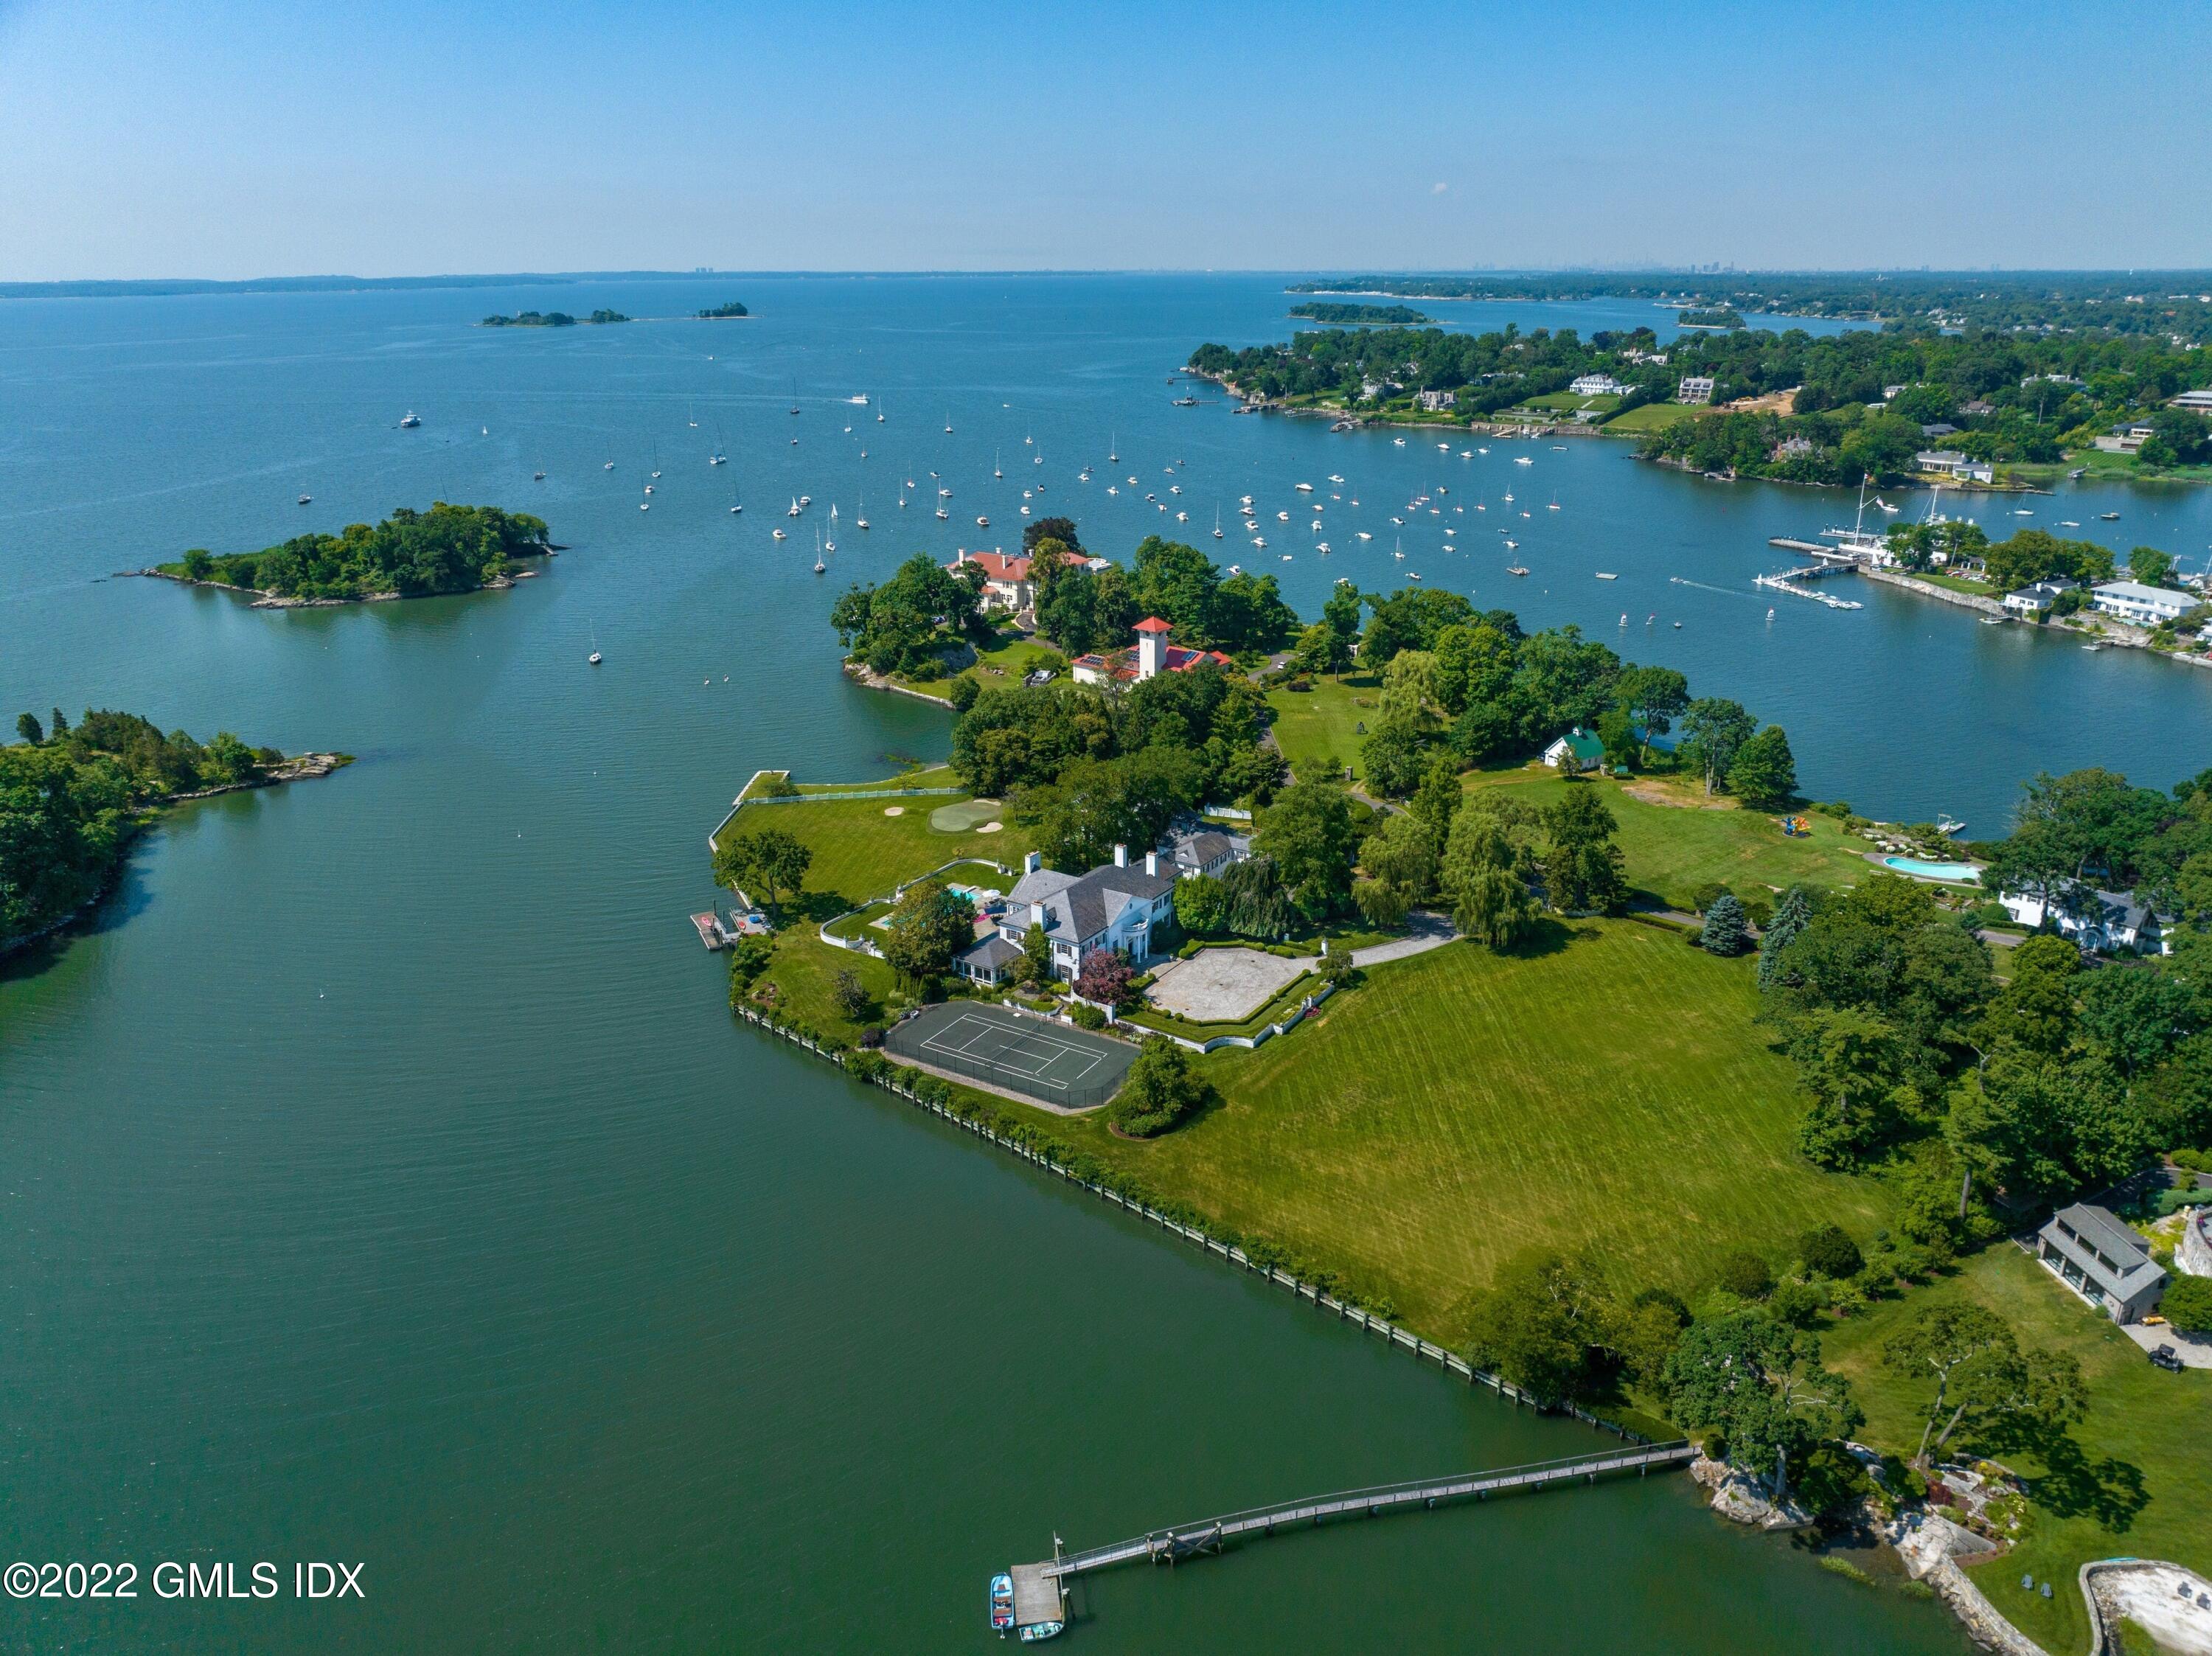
[(1212, 1534)]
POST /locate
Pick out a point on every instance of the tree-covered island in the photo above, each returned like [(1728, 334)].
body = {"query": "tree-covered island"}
[(71, 796), (549, 319), (730, 310), (448, 549), (1335, 315)]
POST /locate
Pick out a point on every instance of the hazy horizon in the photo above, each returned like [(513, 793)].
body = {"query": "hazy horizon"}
[(246, 140)]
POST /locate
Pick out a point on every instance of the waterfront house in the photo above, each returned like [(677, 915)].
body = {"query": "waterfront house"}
[(1579, 750), (1695, 389), (2104, 1261), (1009, 582), (2140, 605), (1938, 429), (1598, 384), (1150, 656), (1790, 448), (2093, 919), (1437, 401), (1976, 408), (2037, 599), (1949, 462), (2200, 400), (2126, 438), (1123, 905)]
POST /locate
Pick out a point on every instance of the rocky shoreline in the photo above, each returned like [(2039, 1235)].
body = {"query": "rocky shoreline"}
[(263, 600)]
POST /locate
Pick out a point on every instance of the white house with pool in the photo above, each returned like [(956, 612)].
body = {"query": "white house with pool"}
[(1122, 905)]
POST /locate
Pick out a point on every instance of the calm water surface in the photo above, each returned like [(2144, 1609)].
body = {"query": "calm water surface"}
[(385, 1180)]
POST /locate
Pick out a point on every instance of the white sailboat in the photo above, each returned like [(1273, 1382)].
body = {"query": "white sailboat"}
[(830, 544), (861, 521), (1217, 523), (818, 565), (995, 472), (793, 513), (1113, 443), (594, 658)]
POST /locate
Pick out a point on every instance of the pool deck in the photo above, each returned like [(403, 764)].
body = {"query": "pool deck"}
[(1879, 858)]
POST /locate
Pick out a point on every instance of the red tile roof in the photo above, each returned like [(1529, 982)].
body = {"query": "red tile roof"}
[(1151, 624)]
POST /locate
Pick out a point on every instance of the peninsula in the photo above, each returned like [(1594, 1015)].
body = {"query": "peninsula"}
[(2017, 410), (1306, 989), (72, 796), (410, 554), (548, 320)]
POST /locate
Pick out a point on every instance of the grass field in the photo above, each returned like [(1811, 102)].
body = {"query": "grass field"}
[(1313, 727), (805, 969), (1568, 402), (1002, 664), (861, 854), (1652, 416), (2134, 1477), (1671, 849), (1608, 1093)]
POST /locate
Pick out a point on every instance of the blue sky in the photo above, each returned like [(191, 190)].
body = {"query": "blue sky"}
[(234, 137)]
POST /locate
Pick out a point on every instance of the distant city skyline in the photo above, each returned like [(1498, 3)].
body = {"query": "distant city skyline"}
[(244, 139)]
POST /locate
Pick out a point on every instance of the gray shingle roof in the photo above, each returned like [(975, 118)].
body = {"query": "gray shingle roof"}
[(2096, 1232), (994, 951), (1080, 907)]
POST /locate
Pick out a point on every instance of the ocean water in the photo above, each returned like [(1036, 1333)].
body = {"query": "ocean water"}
[(385, 1178)]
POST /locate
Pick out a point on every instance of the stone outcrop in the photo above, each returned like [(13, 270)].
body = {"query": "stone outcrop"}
[(1740, 1498)]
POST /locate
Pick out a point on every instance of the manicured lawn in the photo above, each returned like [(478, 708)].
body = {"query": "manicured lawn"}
[(804, 971), (1671, 849), (1653, 416), (933, 776), (861, 854), (1568, 401), (1609, 1094), (1002, 664), (1314, 727), (2134, 1479), (2101, 463)]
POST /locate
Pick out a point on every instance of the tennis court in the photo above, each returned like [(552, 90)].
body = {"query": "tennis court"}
[(1059, 1067)]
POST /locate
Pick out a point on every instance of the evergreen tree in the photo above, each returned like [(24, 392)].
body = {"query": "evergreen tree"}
[(1725, 931), (1763, 774), (1791, 916)]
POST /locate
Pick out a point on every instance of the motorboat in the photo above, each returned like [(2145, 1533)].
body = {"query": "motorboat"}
[(1002, 1603), (410, 420), (304, 498)]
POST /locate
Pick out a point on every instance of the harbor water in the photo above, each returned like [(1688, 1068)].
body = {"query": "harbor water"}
[(386, 1181)]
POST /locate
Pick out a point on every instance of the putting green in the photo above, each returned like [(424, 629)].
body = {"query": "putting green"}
[(968, 814)]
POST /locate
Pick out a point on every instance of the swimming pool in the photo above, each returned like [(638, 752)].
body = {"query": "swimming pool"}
[(1958, 873)]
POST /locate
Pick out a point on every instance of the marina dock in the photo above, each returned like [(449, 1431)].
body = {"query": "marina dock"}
[(1214, 1534), (711, 930)]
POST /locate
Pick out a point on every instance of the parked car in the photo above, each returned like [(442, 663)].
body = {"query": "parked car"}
[(2164, 1358)]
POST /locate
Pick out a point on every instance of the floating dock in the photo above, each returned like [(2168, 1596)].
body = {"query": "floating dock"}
[(711, 930), (1038, 1599)]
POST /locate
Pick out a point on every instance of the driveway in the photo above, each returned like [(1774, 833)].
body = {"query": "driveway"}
[(2195, 1349)]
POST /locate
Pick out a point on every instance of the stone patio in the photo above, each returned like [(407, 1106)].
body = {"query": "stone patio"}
[(1222, 985)]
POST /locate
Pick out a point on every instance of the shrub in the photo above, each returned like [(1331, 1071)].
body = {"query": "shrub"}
[(1085, 1015), (872, 1037), (2193, 1161), (1703, 897), (2188, 1304), (1724, 931), (962, 694), (1744, 1275), (1162, 1090), (1798, 1304), (1828, 1251)]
